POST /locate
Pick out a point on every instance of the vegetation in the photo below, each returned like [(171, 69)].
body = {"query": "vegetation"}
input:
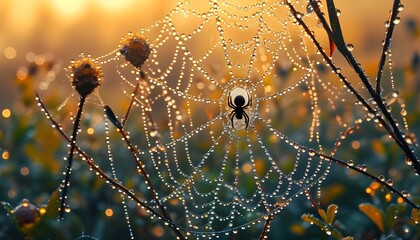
[(371, 189)]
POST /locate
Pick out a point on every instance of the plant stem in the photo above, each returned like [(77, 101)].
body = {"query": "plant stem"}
[(391, 188), (387, 44), (266, 227), (144, 173), (133, 96), (392, 130), (175, 228), (65, 185)]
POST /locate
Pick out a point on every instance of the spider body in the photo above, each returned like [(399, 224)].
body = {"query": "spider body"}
[(239, 105)]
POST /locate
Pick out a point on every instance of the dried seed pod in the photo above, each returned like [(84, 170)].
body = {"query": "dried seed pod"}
[(135, 49), (27, 215), (85, 75)]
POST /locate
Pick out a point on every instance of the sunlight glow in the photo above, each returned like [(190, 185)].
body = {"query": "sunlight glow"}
[(5, 155), (6, 113), (10, 53), (109, 212), (69, 9)]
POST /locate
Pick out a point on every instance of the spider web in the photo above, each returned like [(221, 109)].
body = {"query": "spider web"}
[(213, 171)]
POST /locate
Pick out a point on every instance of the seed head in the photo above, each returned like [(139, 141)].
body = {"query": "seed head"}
[(27, 215), (85, 75), (135, 49)]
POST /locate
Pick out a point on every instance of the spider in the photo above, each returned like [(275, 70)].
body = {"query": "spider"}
[(239, 105)]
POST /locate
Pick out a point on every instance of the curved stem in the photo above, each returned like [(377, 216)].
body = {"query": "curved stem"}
[(387, 44), (393, 129)]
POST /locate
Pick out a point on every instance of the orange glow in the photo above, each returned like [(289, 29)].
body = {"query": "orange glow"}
[(90, 131), (109, 212), (355, 144), (68, 9), (5, 155), (158, 231), (388, 197), (247, 168), (6, 113), (375, 185), (42, 210)]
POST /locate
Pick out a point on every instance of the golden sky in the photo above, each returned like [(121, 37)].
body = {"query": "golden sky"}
[(64, 28)]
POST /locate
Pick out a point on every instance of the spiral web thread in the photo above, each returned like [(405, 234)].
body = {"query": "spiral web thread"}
[(215, 176), (211, 176)]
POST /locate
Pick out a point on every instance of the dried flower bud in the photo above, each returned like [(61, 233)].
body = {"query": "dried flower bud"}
[(135, 49), (27, 215), (85, 75)]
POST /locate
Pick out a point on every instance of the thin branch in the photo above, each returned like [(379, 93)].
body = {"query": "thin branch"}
[(175, 228), (363, 171), (143, 171), (387, 44), (314, 204), (392, 130), (133, 97), (66, 182), (266, 227)]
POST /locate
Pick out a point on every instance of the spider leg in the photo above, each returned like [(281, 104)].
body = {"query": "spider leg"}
[(230, 104), (246, 119), (249, 103), (231, 116)]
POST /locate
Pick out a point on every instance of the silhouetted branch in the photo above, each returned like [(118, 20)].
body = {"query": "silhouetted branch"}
[(393, 129), (387, 43), (175, 228), (266, 227)]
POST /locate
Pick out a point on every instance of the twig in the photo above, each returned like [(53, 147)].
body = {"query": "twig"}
[(392, 130), (266, 227), (175, 228), (140, 166), (362, 171), (387, 44), (314, 204), (66, 182), (133, 97)]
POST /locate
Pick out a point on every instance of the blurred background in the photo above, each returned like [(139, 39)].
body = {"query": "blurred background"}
[(35, 33), (63, 28)]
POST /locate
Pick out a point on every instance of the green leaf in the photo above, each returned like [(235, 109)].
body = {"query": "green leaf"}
[(7, 207), (337, 34), (374, 214), (390, 217), (111, 116), (10, 212), (312, 220), (336, 234), (53, 205)]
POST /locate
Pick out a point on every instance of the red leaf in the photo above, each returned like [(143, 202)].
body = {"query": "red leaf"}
[(332, 44)]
